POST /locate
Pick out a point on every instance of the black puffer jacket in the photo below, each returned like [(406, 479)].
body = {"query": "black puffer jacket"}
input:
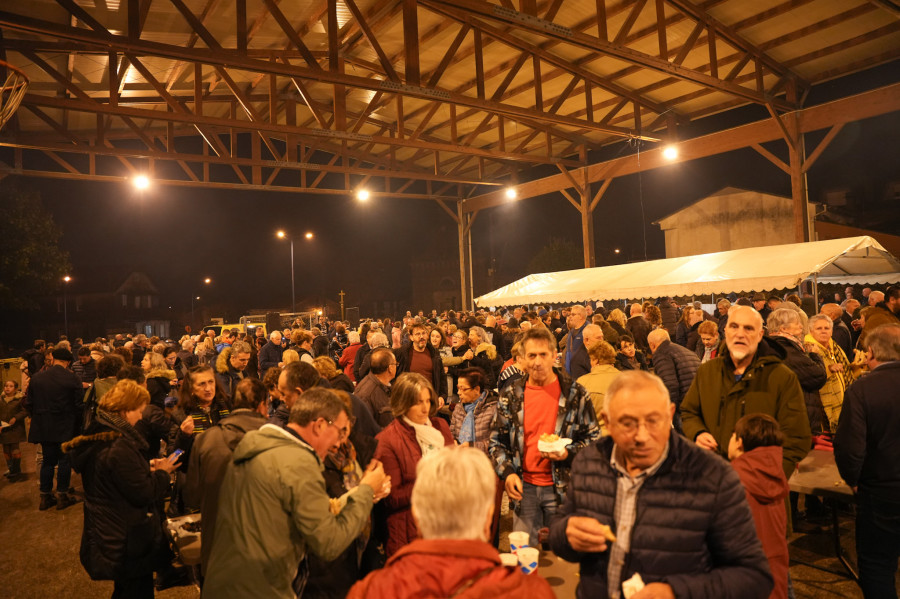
[(676, 366), (122, 532), (810, 371), (694, 530)]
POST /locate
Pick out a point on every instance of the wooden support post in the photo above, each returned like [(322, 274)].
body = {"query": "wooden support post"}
[(799, 191), (465, 287), (587, 216)]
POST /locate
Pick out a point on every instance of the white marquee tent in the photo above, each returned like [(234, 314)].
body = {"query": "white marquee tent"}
[(852, 260)]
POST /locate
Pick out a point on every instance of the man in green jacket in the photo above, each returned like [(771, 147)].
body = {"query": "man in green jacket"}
[(273, 507), (747, 378)]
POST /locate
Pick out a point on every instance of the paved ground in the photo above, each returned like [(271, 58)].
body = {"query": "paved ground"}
[(39, 554)]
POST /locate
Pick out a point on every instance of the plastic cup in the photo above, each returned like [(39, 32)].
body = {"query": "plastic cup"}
[(517, 540), (509, 559), (528, 559)]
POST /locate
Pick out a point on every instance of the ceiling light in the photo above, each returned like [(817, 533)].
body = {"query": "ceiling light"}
[(670, 153), (141, 182)]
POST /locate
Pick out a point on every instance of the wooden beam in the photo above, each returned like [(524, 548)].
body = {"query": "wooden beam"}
[(411, 40), (772, 158), (854, 108), (821, 147)]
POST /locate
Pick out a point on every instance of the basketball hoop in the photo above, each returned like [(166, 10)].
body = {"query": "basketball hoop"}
[(12, 91)]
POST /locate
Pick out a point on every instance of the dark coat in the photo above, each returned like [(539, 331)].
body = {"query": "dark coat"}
[(866, 444), (438, 379), (399, 451), (8, 411), (54, 400), (269, 357), (210, 456), (155, 424), (669, 311), (579, 362), (361, 354), (341, 382), (122, 531), (693, 529), (622, 362), (377, 397), (638, 327), (842, 336), (676, 366), (810, 371)]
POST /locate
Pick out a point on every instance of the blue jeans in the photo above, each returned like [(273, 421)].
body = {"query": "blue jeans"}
[(537, 508), (54, 458)]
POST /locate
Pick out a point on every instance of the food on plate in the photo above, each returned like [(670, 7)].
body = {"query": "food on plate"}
[(549, 438)]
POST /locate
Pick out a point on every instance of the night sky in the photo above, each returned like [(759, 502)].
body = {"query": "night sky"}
[(179, 235)]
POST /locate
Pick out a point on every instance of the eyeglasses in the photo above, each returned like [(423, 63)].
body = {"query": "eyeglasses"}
[(343, 432), (652, 424), (458, 388)]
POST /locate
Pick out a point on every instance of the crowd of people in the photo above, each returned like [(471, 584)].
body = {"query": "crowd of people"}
[(334, 461)]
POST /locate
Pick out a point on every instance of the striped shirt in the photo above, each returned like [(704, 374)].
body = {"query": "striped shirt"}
[(625, 513)]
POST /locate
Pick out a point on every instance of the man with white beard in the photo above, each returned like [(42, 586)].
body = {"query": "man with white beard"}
[(748, 377)]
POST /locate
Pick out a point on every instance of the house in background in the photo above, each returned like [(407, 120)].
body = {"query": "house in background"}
[(729, 219), (96, 308)]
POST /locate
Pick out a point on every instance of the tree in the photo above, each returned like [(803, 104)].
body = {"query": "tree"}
[(31, 262), (558, 254)]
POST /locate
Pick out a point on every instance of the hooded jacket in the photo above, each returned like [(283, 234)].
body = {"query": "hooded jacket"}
[(273, 509), (810, 370), (766, 487), (210, 456), (715, 401), (442, 567), (121, 527)]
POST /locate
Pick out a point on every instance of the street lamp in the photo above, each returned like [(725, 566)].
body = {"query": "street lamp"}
[(207, 280), (282, 235), (66, 280)]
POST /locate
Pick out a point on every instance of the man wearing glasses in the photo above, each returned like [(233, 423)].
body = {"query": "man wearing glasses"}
[(643, 501), (273, 505)]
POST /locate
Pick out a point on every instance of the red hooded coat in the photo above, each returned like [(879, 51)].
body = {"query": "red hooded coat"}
[(442, 567), (762, 475)]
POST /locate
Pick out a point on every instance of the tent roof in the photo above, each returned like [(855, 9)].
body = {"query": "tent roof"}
[(849, 260)]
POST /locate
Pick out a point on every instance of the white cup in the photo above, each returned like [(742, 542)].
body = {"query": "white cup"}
[(517, 540), (509, 559), (528, 559)]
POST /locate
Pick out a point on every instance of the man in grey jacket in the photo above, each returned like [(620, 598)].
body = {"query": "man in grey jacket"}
[(675, 365)]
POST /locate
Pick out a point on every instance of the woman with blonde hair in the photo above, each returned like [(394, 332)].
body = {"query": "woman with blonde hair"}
[(839, 369), (122, 536), (289, 356), (414, 433), (339, 381)]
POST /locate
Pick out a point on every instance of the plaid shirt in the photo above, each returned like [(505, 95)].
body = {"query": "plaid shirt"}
[(575, 420)]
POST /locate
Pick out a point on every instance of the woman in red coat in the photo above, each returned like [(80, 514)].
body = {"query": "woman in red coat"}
[(414, 432)]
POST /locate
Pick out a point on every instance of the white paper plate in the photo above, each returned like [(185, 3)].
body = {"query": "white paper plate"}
[(555, 447)]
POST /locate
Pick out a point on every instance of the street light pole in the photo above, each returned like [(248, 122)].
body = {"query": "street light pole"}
[(66, 280), (293, 289)]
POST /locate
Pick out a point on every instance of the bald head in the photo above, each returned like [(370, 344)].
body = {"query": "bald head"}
[(833, 311), (656, 337), (876, 297), (593, 335)]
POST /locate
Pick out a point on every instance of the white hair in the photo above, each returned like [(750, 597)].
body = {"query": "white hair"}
[(630, 380), (458, 510), (275, 334), (378, 339), (353, 337)]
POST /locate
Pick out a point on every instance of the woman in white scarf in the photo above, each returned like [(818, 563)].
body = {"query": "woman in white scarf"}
[(414, 433)]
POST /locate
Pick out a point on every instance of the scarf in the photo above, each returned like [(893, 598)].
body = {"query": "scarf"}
[(467, 430), (833, 352), (344, 460), (429, 438), (119, 424)]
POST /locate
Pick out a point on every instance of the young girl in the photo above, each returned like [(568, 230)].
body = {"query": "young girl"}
[(755, 453), (12, 412)]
